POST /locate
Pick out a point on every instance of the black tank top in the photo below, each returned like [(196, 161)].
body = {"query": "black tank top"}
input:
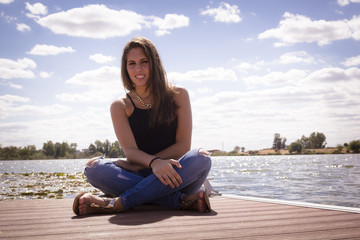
[(151, 139)]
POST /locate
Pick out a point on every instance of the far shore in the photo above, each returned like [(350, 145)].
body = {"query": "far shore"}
[(329, 150), (216, 152), (270, 151)]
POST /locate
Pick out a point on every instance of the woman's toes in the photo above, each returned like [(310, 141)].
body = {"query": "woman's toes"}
[(82, 199), (83, 203), (82, 209), (201, 202)]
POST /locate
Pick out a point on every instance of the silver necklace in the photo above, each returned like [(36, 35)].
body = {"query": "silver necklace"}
[(146, 105)]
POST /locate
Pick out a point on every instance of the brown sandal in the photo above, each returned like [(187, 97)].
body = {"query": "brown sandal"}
[(96, 208), (192, 203)]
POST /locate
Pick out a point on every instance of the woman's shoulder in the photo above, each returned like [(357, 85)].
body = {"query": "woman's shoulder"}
[(180, 91), (121, 103), (181, 96)]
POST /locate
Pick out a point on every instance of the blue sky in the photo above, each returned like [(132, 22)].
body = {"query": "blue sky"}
[(252, 68)]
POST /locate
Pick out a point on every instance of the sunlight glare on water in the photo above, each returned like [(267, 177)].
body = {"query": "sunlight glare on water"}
[(324, 179)]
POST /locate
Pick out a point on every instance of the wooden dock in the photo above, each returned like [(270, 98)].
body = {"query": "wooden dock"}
[(231, 218)]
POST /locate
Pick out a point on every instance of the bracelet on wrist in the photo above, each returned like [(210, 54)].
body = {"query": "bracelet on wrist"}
[(153, 160)]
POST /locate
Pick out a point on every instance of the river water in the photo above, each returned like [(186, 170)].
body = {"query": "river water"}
[(323, 179)]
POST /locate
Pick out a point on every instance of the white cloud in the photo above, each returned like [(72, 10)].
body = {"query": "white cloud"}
[(16, 69), (45, 74), (98, 78), (241, 117), (12, 105), (300, 77), (276, 78), (10, 84), (298, 28), (100, 58), (13, 98), (98, 21), (99, 85), (296, 57), (204, 90), (35, 10), (22, 27), (82, 127), (334, 75), (224, 13), (16, 86), (210, 74), (93, 21), (6, 1), (346, 2), (44, 50), (352, 62), (170, 22), (250, 118), (244, 67)]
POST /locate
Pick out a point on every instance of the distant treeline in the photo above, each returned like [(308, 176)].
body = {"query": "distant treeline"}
[(65, 150), (316, 140), (314, 144), (62, 150)]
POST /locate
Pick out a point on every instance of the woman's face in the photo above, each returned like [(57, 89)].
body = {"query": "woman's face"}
[(138, 67)]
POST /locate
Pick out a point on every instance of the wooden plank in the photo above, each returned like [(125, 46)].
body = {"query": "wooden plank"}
[(230, 219)]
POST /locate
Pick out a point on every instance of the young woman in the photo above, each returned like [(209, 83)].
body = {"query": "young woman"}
[(153, 125)]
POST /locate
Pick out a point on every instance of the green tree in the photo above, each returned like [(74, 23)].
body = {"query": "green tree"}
[(92, 149), (64, 149), (354, 146), (114, 153), (49, 149), (279, 142), (99, 146), (106, 147), (57, 147), (117, 146), (317, 140), (283, 143), (295, 147), (305, 142), (10, 153), (73, 147), (27, 152)]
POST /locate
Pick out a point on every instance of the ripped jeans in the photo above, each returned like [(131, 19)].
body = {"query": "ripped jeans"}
[(137, 188)]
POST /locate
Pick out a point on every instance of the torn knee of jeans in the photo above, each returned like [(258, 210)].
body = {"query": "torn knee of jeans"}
[(204, 152), (93, 162)]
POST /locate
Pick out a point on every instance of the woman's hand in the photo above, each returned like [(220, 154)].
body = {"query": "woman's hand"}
[(165, 172)]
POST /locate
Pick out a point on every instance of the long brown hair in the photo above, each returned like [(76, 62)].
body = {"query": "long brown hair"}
[(162, 92)]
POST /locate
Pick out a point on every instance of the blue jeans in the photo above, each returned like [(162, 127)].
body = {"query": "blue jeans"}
[(137, 188)]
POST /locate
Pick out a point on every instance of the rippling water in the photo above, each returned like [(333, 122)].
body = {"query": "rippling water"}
[(325, 179)]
